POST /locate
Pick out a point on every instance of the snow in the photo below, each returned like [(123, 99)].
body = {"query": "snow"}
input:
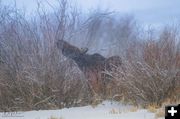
[(106, 110)]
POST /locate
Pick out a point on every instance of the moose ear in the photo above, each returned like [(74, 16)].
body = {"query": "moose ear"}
[(84, 50)]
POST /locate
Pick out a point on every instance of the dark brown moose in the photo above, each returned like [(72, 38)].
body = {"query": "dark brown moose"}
[(92, 65)]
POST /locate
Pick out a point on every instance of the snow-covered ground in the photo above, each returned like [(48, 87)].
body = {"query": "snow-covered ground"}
[(106, 110)]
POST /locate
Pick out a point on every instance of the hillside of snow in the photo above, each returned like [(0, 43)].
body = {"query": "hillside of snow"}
[(106, 110)]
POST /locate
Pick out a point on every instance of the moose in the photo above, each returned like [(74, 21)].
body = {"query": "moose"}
[(92, 65)]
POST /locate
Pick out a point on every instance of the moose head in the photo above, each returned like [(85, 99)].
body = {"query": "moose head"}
[(69, 50), (79, 55)]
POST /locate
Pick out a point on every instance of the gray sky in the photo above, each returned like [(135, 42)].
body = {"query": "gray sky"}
[(154, 12)]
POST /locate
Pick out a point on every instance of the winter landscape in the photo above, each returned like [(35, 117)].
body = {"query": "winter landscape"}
[(71, 59)]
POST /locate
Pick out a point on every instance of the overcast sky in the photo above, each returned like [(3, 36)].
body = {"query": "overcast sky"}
[(154, 12)]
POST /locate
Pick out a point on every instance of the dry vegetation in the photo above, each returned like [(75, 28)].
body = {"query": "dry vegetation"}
[(153, 76), (35, 75)]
